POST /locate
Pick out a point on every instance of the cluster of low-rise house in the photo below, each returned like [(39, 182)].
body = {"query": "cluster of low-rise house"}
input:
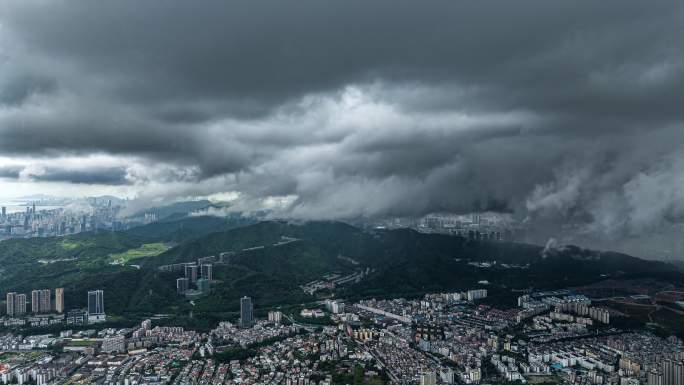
[(441, 338)]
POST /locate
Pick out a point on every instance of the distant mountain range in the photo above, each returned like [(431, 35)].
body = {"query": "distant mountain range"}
[(177, 227)]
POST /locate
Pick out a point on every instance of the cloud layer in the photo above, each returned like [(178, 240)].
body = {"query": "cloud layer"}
[(567, 114)]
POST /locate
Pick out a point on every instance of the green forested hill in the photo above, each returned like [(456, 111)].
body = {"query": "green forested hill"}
[(273, 258), (84, 246), (183, 228), (78, 263)]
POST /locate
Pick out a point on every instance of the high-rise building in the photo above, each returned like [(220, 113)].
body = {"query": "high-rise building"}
[(116, 344), (35, 301), (447, 375), (678, 373), (473, 295), (44, 300), (335, 307), (20, 304), (4, 211), (246, 312), (275, 316), (16, 304), (96, 302), (428, 378), (203, 285), (40, 301), (10, 303), (191, 273), (654, 378), (182, 285), (668, 372), (207, 272), (59, 300), (599, 314)]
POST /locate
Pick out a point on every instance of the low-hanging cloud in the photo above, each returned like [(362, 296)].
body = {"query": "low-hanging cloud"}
[(566, 114)]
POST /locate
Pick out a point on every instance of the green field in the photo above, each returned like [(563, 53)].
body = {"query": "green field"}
[(17, 358), (85, 342), (144, 251)]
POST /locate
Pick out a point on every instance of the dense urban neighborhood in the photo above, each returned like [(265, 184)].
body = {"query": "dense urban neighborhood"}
[(441, 338)]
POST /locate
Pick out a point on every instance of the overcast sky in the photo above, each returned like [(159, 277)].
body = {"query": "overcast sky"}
[(568, 114)]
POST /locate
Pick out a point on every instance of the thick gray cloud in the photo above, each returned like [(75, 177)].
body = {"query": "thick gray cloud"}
[(76, 174), (10, 171), (105, 176), (567, 114)]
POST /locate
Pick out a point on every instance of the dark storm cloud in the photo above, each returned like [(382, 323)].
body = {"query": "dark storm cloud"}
[(77, 175), (565, 113), (17, 90), (251, 57), (103, 176)]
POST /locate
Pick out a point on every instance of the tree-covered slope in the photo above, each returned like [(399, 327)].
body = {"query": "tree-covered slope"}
[(180, 228), (272, 259)]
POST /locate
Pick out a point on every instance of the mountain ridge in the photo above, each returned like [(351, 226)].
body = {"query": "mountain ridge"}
[(274, 258)]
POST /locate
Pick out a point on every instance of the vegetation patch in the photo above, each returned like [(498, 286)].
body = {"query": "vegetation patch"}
[(79, 343), (144, 251), (73, 244)]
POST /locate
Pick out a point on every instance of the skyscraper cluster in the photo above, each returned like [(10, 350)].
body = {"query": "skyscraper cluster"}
[(672, 373), (41, 302), (57, 221), (16, 304), (200, 274)]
